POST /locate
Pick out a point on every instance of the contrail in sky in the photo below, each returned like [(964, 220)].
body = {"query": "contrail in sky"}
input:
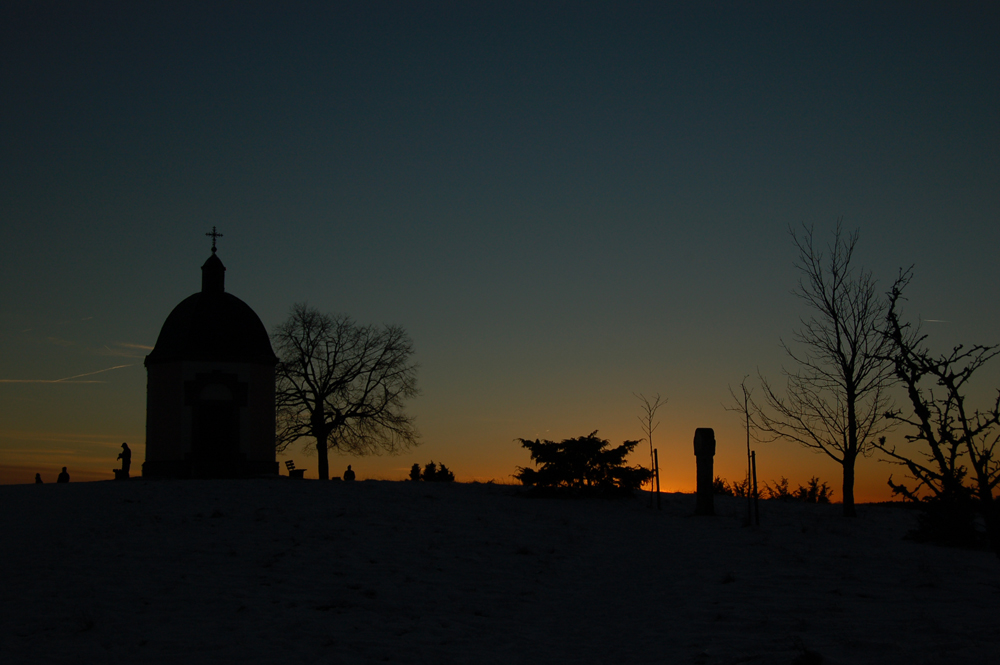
[(68, 379), (133, 346)]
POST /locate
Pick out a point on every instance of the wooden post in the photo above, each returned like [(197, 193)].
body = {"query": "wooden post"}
[(656, 470), (746, 410), (756, 507)]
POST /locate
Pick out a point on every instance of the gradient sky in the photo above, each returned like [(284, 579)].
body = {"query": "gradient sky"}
[(563, 203)]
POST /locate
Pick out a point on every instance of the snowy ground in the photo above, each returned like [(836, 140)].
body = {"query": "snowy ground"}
[(264, 571)]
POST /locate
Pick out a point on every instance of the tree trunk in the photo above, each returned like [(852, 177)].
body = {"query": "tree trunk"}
[(991, 509), (321, 431), (849, 510), (324, 462), (991, 515), (851, 454)]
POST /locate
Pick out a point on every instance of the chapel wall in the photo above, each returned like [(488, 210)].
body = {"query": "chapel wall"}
[(165, 422)]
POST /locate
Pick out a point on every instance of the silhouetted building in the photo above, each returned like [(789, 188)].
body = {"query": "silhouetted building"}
[(210, 388)]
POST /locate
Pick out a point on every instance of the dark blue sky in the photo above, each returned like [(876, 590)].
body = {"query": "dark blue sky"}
[(562, 203)]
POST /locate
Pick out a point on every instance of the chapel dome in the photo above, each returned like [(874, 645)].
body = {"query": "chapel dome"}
[(213, 326)]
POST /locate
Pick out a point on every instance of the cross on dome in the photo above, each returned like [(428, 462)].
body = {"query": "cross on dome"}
[(214, 234)]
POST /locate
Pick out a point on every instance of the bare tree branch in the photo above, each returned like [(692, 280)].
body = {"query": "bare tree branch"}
[(953, 436), (649, 408)]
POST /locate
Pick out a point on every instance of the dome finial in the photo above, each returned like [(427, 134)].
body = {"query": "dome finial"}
[(213, 273), (214, 234)]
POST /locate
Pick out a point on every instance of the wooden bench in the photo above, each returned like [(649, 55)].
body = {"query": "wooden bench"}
[(292, 471)]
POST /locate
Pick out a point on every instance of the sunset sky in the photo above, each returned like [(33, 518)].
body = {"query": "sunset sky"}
[(563, 204)]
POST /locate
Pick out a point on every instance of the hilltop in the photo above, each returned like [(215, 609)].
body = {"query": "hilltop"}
[(379, 571)]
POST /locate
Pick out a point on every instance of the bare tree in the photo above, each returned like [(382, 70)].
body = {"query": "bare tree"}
[(649, 408), (954, 434), (835, 395), (343, 385), (743, 407)]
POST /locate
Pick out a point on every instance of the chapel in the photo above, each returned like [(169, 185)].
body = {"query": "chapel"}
[(210, 387)]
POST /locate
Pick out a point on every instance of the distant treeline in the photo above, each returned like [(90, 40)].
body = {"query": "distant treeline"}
[(813, 492)]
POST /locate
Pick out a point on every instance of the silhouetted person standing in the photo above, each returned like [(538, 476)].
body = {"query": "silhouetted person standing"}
[(38, 479), (126, 457), (63, 477), (348, 475)]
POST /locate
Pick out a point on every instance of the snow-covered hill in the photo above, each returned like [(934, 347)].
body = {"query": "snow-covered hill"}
[(262, 571)]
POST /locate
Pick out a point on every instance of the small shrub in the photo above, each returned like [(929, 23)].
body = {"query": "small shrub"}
[(814, 492), (741, 490), (444, 474), (432, 473), (950, 522), (778, 491), (720, 487)]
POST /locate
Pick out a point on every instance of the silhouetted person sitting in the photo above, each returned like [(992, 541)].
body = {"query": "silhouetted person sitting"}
[(348, 475), (126, 457), (38, 479), (63, 477)]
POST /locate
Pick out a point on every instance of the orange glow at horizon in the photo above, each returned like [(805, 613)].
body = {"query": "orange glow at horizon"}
[(99, 458)]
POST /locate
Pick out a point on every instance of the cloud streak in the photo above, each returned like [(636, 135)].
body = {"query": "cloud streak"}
[(124, 350), (143, 347), (68, 379)]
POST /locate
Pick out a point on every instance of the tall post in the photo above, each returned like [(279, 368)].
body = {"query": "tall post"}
[(704, 451), (652, 460), (756, 506), (656, 470), (746, 400)]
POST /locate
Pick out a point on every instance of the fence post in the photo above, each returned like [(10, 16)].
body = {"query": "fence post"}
[(756, 507), (656, 468)]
